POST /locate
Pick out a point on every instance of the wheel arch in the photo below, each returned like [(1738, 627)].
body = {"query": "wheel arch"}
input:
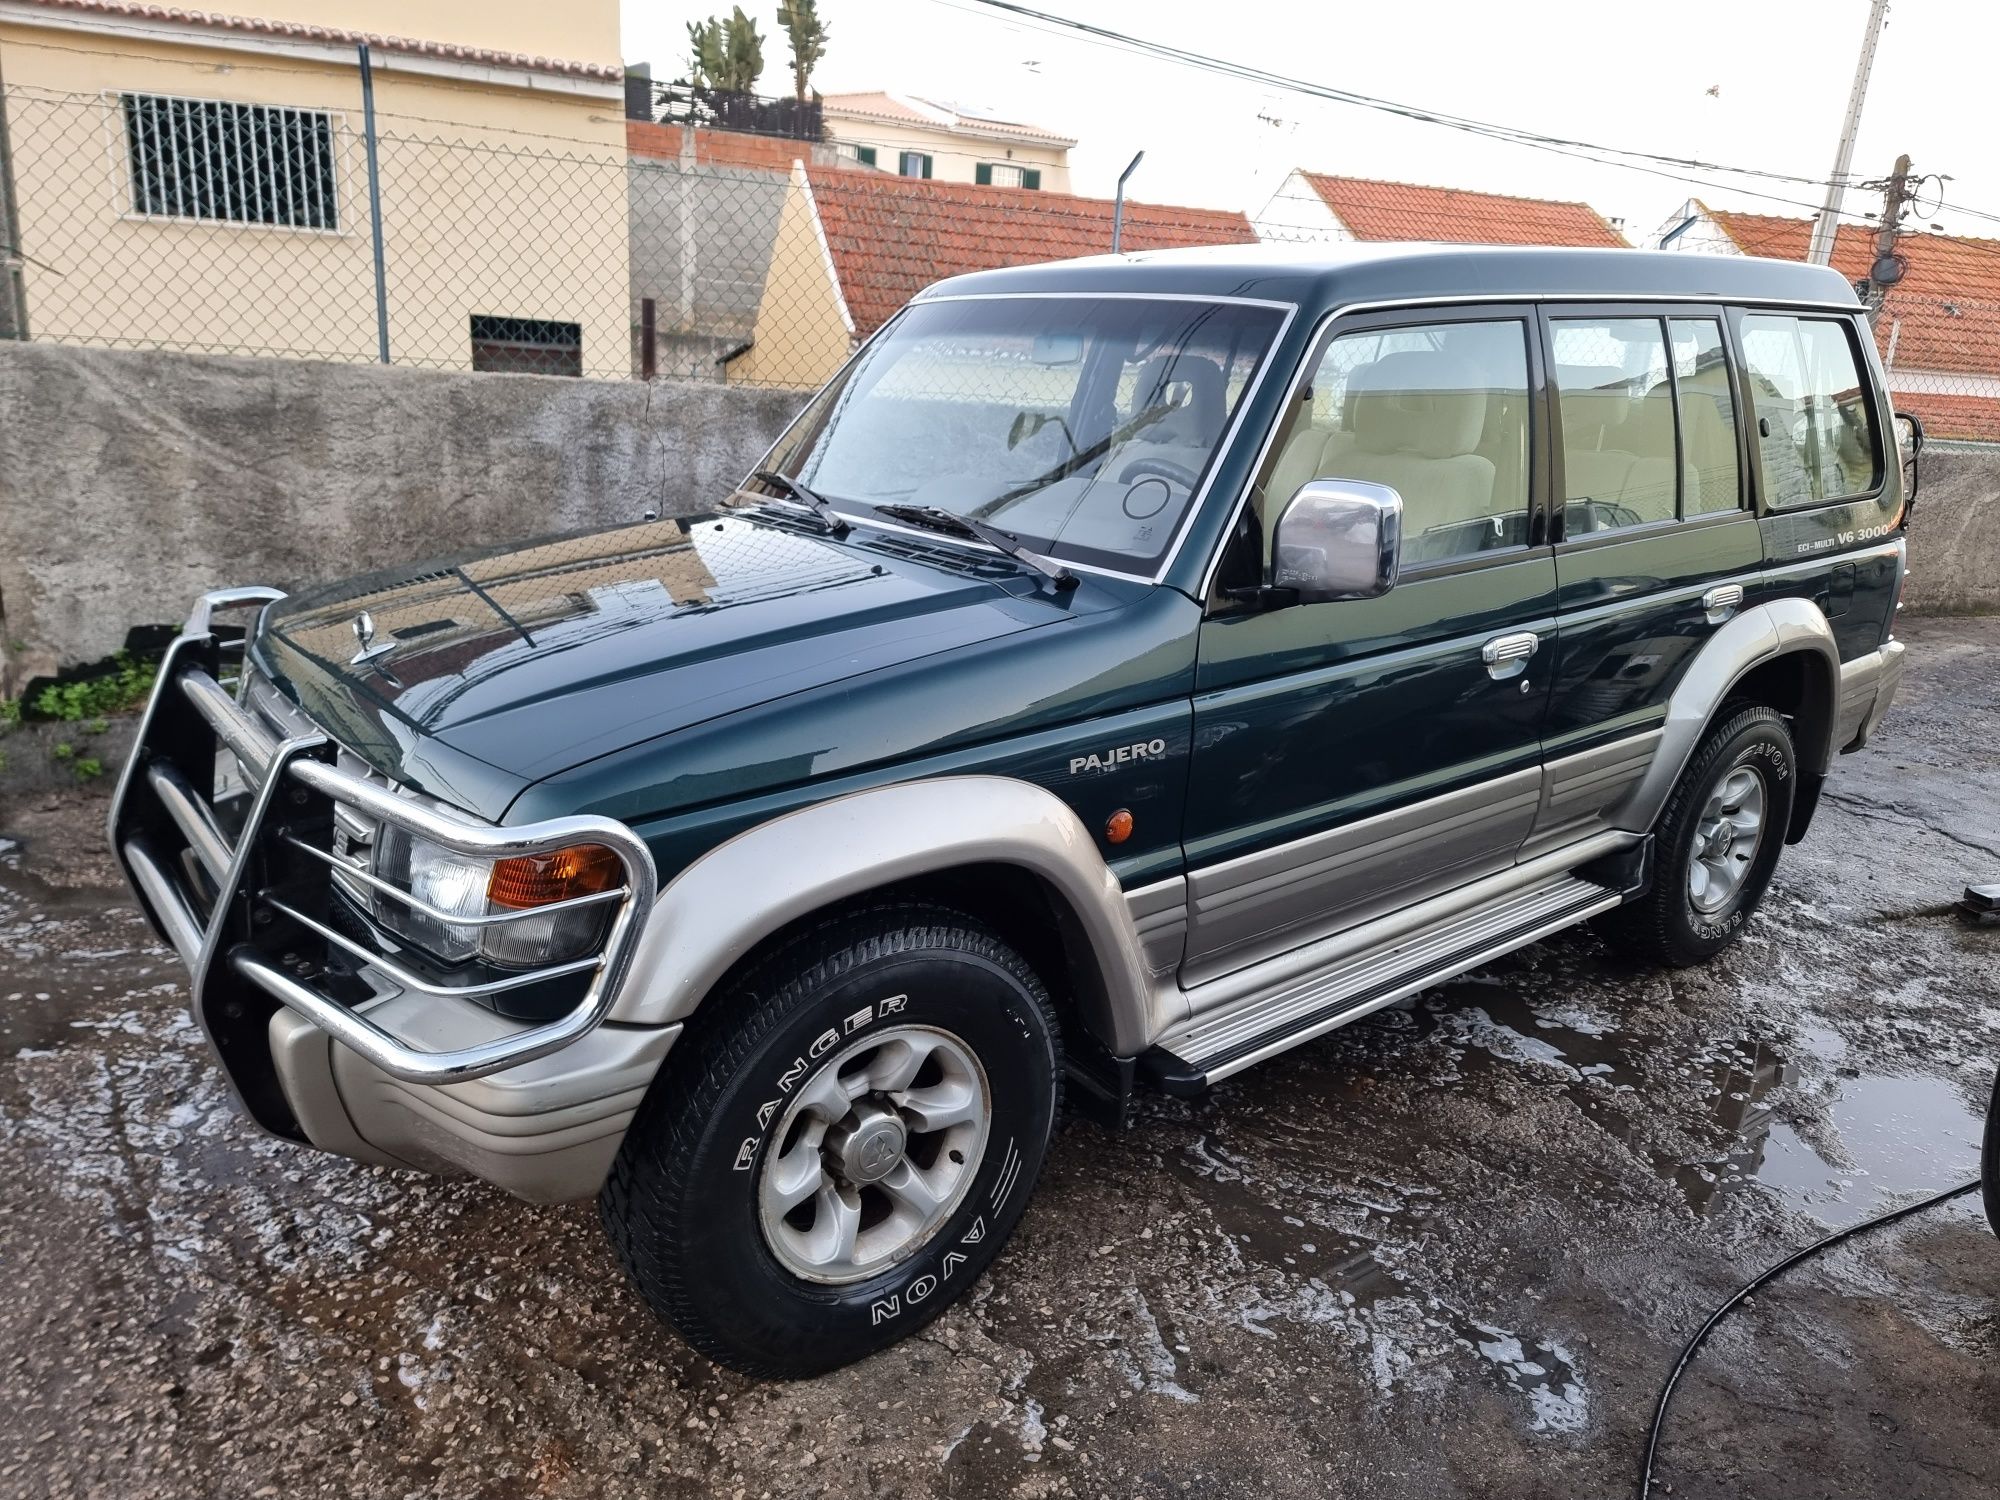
[(1781, 653), (976, 843)]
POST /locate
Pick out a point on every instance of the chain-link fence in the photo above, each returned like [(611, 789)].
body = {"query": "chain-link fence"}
[(1942, 355), (209, 226), (665, 246)]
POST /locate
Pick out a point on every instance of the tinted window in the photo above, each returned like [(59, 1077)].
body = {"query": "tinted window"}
[(1709, 474), (1816, 434), (1439, 412), (1617, 409)]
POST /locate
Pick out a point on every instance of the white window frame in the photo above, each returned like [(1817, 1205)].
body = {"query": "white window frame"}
[(125, 182)]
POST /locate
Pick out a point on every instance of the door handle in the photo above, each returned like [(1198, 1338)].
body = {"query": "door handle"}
[(1722, 601), (1507, 655)]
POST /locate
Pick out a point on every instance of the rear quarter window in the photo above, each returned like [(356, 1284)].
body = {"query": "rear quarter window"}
[(1814, 422)]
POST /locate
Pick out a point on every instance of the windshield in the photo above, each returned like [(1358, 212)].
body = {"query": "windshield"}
[(1083, 425)]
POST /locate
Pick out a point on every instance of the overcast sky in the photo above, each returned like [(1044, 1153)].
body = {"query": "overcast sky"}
[(1755, 83)]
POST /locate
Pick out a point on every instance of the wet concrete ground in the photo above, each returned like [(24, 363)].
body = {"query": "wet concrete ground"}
[(1449, 1251)]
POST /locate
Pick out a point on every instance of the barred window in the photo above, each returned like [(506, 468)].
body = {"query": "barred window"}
[(526, 346), (231, 163)]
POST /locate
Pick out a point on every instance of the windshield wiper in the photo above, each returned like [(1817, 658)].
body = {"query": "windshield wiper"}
[(937, 518), (812, 500)]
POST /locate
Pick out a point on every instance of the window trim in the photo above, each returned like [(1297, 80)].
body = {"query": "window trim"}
[(1864, 368)]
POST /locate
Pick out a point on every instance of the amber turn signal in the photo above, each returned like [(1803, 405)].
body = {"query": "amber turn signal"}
[(1118, 827), (531, 880)]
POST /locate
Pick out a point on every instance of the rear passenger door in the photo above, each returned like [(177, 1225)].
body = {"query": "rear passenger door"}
[(1353, 756), (1656, 545)]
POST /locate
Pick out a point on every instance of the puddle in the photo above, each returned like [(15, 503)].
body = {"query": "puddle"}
[(1800, 1124)]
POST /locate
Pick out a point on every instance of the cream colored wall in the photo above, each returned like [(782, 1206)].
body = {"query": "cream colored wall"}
[(800, 337), (484, 223), (586, 32), (953, 157)]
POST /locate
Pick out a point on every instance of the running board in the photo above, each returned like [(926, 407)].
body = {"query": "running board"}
[(1211, 1047)]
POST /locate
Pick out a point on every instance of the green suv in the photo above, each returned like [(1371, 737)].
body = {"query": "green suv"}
[(1123, 671)]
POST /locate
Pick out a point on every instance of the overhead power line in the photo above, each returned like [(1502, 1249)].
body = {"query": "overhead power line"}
[(1518, 135), (1652, 164)]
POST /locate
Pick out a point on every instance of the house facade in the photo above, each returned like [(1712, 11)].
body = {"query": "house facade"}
[(1938, 330), (198, 181), (1315, 207), (909, 136), (852, 247)]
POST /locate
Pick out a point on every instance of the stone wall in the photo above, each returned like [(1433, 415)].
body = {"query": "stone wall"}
[(132, 481)]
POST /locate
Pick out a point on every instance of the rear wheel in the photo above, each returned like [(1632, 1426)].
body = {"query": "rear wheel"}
[(840, 1144), (1718, 841)]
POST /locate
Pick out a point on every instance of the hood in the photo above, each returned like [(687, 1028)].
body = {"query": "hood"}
[(475, 676)]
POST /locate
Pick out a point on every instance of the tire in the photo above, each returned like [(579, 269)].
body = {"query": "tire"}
[(737, 1119), (1673, 924)]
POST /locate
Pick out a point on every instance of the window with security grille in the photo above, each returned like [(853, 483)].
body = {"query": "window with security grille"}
[(210, 160), (526, 346)]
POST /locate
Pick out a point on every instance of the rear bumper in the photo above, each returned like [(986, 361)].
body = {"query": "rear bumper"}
[(1867, 687), (353, 1046)]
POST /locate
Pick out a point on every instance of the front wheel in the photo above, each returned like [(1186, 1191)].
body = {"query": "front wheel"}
[(840, 1144), (1718, 841)]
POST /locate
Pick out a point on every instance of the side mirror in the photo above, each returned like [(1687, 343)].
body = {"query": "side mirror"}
[(1338, 539)]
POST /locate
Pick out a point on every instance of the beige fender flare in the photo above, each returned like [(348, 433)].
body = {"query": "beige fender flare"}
[(732, 898), (1759, 634)]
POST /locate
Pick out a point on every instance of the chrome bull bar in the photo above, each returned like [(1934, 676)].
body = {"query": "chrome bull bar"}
[(252, 918)]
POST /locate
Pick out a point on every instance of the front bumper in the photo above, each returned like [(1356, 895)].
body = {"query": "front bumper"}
[(324, 1037), (1867, 687)]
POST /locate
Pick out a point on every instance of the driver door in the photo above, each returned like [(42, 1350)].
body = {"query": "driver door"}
[(1351, 757)]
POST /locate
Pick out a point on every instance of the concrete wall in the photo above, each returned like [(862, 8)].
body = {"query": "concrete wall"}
[(1955, 533), (130, 482)]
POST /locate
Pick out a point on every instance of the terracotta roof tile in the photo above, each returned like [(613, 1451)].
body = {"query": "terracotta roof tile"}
[(412, 46), (890, 237), (1944, 313), (1375, 210)]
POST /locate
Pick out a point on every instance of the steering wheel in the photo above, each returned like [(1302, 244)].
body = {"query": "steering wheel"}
[(1160, 468)]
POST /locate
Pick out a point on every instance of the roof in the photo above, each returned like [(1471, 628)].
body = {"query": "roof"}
[(890, 237), (1944, 313), (1374, 210), (911, 109), (341, 36), (1321, 277)]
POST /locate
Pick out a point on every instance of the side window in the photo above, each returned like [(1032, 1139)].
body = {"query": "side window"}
[(1437, 411), (1709, 475), (1816, 435), (1616, 402)]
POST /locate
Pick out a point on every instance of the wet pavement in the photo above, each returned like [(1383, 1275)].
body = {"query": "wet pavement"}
[(1451, 1250)]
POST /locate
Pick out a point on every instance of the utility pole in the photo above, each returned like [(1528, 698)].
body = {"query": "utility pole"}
[(1886, 269), (1820, 251)]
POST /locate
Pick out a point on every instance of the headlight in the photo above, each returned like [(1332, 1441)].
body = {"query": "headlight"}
[(463, 886)]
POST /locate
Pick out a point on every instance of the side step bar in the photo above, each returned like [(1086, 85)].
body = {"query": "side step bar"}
[(1212, 1047)]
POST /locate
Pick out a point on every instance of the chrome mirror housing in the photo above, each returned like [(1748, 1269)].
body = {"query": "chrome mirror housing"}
[(1338, 539)]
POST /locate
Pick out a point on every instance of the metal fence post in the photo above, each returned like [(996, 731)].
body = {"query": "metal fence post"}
[(374, 204), (13, 295)]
